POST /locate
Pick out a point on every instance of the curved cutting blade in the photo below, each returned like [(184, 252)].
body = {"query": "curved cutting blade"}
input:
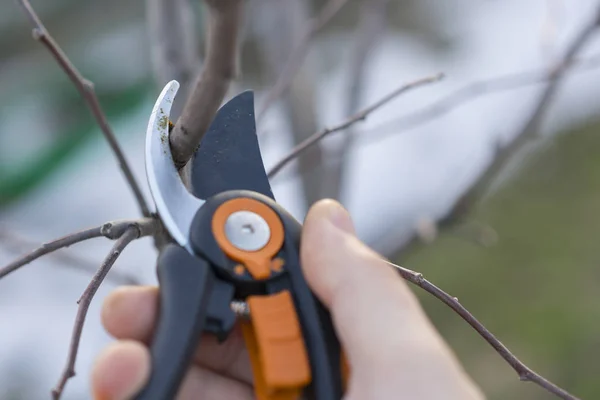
[(175, 205), (229, 157)]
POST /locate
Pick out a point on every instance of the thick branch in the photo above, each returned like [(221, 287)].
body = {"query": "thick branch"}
[(18, 244), (294, 61), (86, 90), (525, 373), (220, 68), (130, 234), (110, 230), (317, 136)]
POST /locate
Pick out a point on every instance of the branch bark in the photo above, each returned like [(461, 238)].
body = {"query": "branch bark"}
[(525, 373), (220, 68), (318, 136), (130, 234), (86, 90)]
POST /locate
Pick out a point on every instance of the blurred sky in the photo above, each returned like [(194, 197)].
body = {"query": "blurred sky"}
[(393, 181)]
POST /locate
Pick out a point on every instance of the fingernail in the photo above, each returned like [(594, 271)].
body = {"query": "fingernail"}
[(338, 216)]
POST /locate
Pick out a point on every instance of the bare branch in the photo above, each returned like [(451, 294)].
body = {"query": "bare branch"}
[(18, 243), (525, 373), (173, 46), (317, 136), (329, 10), (110, 230), (220, 68), (371, 26), (87, 92), (130, 234), (530, 128)]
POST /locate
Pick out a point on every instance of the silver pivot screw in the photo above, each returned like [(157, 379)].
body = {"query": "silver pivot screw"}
[(247, 231)]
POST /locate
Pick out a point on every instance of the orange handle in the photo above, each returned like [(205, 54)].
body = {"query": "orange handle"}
[(274, 340)]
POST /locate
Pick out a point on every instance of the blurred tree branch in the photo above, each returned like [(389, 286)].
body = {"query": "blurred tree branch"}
[(173, 46), (280, 28), (371, 26), (288, 71), (529, 131)]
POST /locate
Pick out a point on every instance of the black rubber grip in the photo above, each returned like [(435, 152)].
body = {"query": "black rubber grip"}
[(185, 287)]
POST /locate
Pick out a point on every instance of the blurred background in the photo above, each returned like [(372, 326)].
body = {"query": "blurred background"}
[(523, 259)]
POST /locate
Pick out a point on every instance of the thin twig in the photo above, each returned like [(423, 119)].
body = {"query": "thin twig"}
[(18, 243), (130, 234), (317, 136), (525, 373), (329, 10), (86, 90), (220, 68), (110, 230)]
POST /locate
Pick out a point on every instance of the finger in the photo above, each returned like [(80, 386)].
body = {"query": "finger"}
[(123, 368), (120, 371), (131, 313), (381, 325)]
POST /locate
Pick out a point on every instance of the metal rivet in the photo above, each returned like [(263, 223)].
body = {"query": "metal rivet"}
[(247, 230)]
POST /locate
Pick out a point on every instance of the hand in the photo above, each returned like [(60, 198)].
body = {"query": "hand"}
[(393, 350)]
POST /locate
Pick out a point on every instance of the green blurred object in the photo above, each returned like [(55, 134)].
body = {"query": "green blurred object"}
[(538, 288), (21, 179)]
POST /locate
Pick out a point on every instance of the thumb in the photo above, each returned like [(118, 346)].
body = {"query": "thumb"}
[(384, 332), (370, 305)]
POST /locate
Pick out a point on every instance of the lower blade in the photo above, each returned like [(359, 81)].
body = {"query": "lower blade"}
[(229, 157)]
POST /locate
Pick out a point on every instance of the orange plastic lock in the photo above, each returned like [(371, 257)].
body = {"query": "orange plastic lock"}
[(257, 262), (274, 340)]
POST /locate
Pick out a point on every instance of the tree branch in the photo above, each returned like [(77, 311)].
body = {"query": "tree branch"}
[(173, 46), (294, 61), (130, 234), (317, 136), (17, 244), (220, 68), (87, 92), (525, 373), (110, 230)]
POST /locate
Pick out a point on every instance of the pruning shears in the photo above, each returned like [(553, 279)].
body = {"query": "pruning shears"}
[(233, 242)]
